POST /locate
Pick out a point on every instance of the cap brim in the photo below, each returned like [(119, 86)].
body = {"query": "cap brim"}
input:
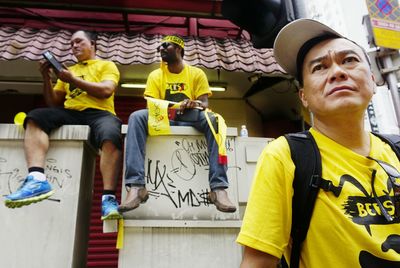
[(292, 37)]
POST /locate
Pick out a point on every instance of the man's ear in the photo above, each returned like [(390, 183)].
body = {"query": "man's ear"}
[(179, 50), (303, 97)]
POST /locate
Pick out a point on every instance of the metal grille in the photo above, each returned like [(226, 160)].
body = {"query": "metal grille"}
[(101, 251)]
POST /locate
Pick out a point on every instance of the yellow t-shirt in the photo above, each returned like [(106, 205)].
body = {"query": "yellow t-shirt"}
[(92, 71), (190, 83), (345, 231)]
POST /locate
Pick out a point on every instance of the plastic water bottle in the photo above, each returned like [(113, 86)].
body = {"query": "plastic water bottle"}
[(244, 132)]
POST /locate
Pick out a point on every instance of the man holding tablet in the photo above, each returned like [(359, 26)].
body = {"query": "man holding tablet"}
[(83, 95)]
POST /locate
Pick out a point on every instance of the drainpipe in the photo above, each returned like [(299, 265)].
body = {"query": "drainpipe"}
[(299, 9), (390, 72)]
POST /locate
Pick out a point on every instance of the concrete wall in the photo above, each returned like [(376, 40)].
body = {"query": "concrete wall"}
[(177, 227), (169, 232), (54, 232), (176, 170), (237, 113)]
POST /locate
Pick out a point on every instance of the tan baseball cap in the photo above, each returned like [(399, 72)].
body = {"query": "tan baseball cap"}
[(293, 36)]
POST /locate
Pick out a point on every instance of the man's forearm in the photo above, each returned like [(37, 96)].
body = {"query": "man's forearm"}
[(253, 258), (51, 98), (203, 101)]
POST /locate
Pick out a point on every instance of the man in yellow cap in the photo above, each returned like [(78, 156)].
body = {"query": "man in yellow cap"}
[(177, 82)]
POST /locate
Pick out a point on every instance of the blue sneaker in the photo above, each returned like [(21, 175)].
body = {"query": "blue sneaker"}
[(30, 191), (109, 209)]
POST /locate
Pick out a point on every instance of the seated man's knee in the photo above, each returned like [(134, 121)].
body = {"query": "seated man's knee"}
[(109, 146), (211, 116), (108, 133), (30, 123), (138, 116)]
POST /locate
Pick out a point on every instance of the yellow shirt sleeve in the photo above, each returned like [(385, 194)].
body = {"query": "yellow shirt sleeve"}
[(153, 85), (109, 71), (60, 85), (267, 220), (200, 83)]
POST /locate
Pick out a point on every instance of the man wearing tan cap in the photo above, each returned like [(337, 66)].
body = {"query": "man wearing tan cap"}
[(176, 82), (348, 228)]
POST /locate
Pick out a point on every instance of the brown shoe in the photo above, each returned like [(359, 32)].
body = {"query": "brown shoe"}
[(221, 200), (135, 196)]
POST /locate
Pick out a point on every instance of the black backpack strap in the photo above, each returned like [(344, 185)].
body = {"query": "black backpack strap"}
[(391, 139), (307, 181)]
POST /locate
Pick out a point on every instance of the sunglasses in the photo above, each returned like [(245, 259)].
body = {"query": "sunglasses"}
[(392, 174), (164, 45)]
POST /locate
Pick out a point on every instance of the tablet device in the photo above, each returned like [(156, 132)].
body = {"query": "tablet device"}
[(55, 64)]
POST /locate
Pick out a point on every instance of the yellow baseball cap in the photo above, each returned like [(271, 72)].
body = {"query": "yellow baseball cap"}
[(174, 39)]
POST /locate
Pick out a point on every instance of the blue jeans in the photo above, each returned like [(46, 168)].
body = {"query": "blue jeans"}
[(136, 144)]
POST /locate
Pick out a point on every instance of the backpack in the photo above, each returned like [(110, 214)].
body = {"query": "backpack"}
[(307, 182)]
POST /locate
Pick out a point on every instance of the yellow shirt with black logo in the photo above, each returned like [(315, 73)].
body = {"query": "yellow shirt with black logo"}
[(345, 231), (92, 71), (190, 83)]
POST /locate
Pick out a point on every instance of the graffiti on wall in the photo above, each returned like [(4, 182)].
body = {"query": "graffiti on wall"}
[(173, 175)]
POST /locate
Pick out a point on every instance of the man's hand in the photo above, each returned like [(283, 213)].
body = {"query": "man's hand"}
[(65, 75), (52, 97), (190, 104), (45, 69)]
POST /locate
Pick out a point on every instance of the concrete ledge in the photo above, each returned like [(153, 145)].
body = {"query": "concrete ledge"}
[(111, 226), (187, 131), (182, 223), (66, 132), (167, 247)]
